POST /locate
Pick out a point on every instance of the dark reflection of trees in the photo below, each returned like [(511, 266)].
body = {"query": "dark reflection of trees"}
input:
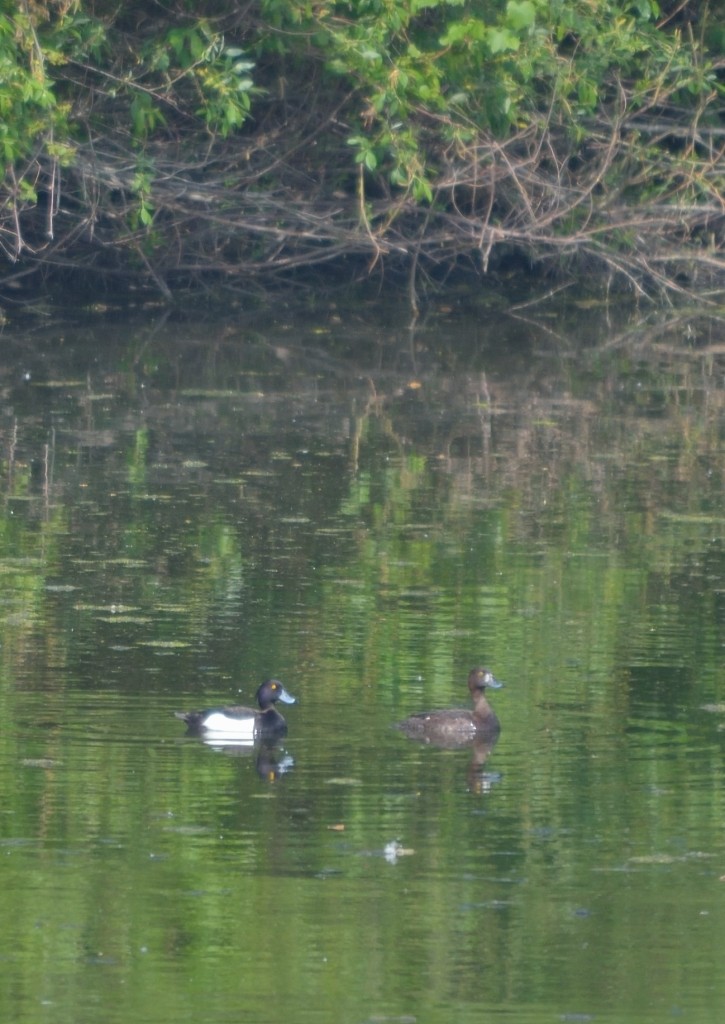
[(234, 473)]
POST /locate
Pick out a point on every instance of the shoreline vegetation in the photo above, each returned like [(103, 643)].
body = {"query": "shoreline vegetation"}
[(172, 147)]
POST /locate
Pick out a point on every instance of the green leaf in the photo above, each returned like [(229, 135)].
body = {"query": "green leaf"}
[(500, 40), (197, 45), (520, 14), (467, 31)]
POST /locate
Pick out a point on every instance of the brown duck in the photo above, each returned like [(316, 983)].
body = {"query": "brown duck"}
[(454, 727)]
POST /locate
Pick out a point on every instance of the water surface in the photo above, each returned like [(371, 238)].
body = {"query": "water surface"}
[(364, 512)]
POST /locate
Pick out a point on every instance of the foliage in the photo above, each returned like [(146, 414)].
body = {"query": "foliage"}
[(72, 74), (190, 138)]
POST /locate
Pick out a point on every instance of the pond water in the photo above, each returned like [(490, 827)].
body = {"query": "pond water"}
[(364, 511)]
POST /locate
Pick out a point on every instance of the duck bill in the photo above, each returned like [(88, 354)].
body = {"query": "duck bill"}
[(494, 684), (286, 697)]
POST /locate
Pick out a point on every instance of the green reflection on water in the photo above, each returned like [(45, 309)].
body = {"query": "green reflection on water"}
[(366, 531)]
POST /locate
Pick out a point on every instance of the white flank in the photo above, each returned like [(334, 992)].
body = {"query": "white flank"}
[(222, 725)]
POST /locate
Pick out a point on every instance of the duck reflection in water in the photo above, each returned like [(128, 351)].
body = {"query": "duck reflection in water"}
[(456, 728), (270, 760)]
